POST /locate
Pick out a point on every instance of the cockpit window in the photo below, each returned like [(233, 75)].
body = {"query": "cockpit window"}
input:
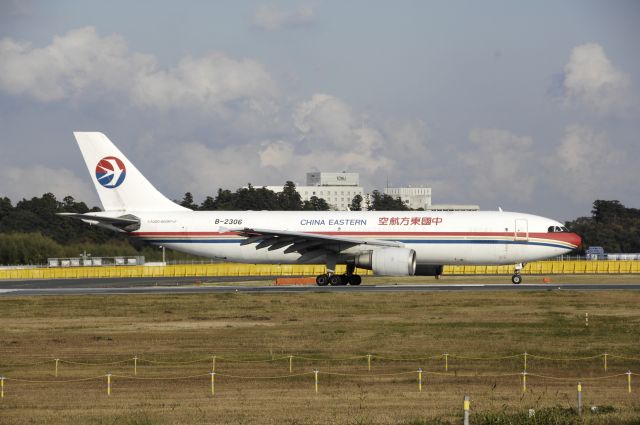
[(557, 229)]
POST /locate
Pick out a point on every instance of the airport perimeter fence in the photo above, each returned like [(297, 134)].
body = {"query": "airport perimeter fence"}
[(527, 370), (554, 267)]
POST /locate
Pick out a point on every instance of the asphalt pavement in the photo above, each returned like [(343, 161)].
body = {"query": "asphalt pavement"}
[(194, 285)]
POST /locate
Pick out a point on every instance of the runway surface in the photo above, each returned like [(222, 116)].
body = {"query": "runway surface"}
[(192, 285)]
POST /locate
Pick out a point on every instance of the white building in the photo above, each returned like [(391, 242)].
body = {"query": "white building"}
[(453, 207), (333, 179), (420, 197), (338, 189), (414, 197)]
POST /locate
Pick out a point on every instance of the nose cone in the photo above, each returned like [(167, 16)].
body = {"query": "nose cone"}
[(574, 239)]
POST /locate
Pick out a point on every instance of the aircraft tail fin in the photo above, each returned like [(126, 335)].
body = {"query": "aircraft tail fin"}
[(120, 186)]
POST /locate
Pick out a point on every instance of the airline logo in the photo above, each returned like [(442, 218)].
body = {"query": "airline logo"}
[(110, 172)]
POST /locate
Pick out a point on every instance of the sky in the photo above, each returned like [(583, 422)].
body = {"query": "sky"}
[(527, 106)]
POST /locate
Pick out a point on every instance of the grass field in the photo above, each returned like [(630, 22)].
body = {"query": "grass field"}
[(179, 333)]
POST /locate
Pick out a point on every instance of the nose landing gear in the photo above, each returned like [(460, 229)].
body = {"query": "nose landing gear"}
[(517, 278)]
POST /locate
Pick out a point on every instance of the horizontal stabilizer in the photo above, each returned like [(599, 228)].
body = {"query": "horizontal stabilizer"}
[(128, 223)]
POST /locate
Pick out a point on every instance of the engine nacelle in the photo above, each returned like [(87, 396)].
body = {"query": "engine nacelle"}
[(389, 261), (429, 270)]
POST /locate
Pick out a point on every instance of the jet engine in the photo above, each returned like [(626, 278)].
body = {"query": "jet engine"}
[(389, 261)]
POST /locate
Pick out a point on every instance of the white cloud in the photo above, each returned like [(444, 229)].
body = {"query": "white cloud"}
[(200, 169), (586, 164), (209, 81), (27, 182), (334, 134), (500, 164), (326, 135), (82, 63), (276, 154), (325, 116), (273, 18), (591, 80)]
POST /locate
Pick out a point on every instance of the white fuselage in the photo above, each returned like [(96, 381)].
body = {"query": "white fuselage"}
[(438, 237)]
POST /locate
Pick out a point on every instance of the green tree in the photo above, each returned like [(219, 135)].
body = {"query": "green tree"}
[(289, 199), (208, 204), (225, 200), (5, 207), (383, 202), (187, 201), (611, 225), (250, 198), (316, 204), (356, 203)]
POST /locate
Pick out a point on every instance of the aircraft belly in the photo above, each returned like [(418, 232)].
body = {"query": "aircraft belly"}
[(478, 253)]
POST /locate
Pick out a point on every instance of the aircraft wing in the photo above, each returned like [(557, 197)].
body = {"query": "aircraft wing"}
[(306, 244)]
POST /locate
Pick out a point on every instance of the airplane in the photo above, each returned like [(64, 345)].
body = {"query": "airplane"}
[(390, 243)]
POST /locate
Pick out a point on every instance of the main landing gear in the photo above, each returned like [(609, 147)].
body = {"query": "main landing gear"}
[(339, 279), (517, 278)]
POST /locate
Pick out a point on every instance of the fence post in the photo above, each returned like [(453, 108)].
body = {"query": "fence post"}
[(108, 384), (315, 372), (290, 363), (628, 382), (579, 399), (213, 363), (446, 362), (525, 361), (135, 366), (369, 362), (605, 362), (420, 380), (56, 372), (213, 383), (466, 406), (1, 386), (524, 381)]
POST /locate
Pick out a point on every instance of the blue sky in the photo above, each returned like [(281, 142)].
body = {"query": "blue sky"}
[(527, 106)]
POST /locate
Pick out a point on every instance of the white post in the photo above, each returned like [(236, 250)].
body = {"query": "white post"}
[(466, 406), (579, 399)]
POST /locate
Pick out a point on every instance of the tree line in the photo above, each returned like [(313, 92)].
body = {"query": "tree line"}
[(612, 226), (257, 199), (31, 232)]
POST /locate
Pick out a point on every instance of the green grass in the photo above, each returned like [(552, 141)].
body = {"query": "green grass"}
[(248, 327)]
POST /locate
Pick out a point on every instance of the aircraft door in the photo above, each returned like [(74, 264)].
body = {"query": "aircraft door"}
[(521, 230)]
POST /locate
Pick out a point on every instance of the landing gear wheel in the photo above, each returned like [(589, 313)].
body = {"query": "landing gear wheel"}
[(322, 280), (516, 279), (336, 280), (355, 279)]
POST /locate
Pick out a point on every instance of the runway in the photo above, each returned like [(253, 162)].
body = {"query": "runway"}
[(192, 285)]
